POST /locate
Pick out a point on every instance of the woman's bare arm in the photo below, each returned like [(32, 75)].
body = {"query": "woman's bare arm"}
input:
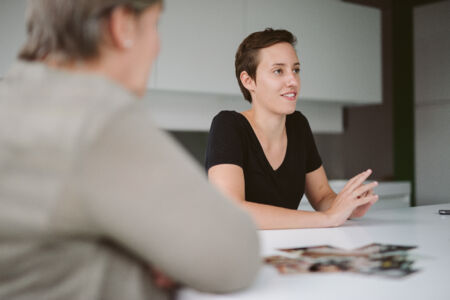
[(318, 191), (230, 180), (321, 196)]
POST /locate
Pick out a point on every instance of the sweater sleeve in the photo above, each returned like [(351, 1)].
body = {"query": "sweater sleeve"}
[(142, 191)]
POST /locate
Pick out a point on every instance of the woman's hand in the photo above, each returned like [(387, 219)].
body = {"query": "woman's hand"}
[(361, 210), (353, 200), (161, 280)]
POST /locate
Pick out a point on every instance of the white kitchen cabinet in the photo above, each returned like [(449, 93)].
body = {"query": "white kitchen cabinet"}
[(199, 39), (12, 32), (189, 111), (339, 45)]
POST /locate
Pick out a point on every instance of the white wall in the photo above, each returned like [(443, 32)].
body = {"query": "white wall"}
[(192, 110), (174, 110), (432, 102), (12, 31), (339, 45)]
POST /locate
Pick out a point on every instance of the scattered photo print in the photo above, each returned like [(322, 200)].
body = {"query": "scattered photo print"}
[(374, 259)]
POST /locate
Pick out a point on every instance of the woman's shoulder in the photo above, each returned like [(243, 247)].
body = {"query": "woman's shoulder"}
[(225, 119), (228, 119), (297, 117), (226, 116)]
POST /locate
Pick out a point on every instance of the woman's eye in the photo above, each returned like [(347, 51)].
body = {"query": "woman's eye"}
[(297, 70), (277, 71)]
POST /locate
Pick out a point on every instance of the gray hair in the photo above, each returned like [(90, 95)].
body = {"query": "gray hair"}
[(70, 29)]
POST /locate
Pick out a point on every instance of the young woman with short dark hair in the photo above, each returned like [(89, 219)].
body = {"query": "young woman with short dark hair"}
[(265, 158)]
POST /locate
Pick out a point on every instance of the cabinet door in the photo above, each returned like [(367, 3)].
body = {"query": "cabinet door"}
[(339, 45), (199, 39), (12, 32)]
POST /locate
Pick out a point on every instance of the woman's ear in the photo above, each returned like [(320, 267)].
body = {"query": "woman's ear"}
[(247, 81), (122, 28)]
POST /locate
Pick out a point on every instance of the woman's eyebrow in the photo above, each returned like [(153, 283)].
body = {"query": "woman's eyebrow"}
[(283, 64)]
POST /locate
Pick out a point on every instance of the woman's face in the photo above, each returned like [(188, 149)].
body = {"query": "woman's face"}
[(277, 79)]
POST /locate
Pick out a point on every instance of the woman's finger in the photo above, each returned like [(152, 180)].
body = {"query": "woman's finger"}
[(365, 188), (365, 200), (353, 179), (360, 180), (356, 181)]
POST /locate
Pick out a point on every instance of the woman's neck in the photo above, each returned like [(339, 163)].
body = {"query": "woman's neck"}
[(109, 65), (269, 127)]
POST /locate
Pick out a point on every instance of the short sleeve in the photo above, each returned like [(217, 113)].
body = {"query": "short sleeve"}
[(225, 143), (313, 160)]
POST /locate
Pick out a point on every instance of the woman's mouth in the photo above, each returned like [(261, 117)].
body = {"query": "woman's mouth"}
[(291, 96)]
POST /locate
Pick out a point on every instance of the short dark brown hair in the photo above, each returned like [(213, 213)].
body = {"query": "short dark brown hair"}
[(247, 58)]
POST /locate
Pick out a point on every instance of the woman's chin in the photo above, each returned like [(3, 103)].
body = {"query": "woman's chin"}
[(289, 109)]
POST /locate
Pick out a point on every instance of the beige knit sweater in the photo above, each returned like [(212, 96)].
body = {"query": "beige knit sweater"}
[(91, 193)]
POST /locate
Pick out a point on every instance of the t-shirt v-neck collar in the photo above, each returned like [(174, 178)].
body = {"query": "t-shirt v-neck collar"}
[(259, 146)]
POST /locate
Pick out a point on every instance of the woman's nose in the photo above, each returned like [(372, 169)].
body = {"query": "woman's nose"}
[(293, 79)]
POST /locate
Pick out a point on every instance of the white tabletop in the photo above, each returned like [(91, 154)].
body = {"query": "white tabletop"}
[(420, 226)]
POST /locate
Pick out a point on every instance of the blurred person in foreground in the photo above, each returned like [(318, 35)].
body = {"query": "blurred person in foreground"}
[(95, 201)]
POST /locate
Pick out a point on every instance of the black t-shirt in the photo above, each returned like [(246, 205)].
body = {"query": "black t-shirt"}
[(233, 141)]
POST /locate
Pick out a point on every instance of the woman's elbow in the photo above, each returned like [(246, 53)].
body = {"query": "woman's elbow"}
[(238, 263)]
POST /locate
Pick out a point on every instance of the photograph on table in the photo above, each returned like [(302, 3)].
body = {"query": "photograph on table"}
[(385, 260)]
